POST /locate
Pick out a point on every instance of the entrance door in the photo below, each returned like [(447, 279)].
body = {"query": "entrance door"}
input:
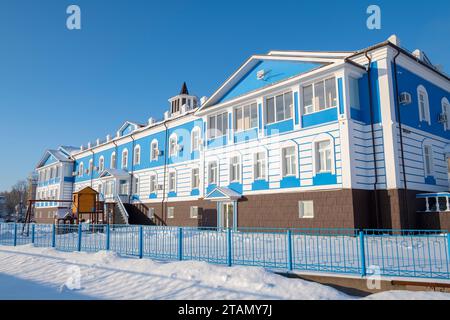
[(228, 215)]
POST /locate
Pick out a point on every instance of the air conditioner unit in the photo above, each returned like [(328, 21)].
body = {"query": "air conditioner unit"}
[(86, 171), (96, 168), (179, 148), (160, 153), (442, 118), (260, 74), (74, 174), (405, 98)]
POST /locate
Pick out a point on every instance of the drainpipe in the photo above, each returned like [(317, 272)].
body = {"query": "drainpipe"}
[(164, 171), (369, 81), (400, 128), (91, 169), (130, 191)]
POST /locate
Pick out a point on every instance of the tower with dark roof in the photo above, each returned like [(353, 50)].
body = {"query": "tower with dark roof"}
[(183, 101)]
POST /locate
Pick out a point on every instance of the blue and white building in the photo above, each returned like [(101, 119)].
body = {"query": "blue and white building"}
[(291, 139)]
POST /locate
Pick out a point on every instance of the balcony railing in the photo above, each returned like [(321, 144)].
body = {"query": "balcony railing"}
[(436, 202)]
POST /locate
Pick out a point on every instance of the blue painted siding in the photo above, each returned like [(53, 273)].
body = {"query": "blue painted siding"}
[(408, 82), (290, 182), (318, 118), (276, 71), (246, 135), (296, 108), (279, 127), (237, 187), (260, 185), (321, 179), (50, 160), (340, 96)]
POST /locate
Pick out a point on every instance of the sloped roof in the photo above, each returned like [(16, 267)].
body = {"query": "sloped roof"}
[(184, 89), (222, 193), (114, 173), (56, 154)]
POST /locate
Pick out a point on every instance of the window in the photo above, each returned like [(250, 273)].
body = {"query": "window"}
[(57, 172), (170, 212), (153, 184), (124, 159), (193, 212), (289, 161), (176, 106), (446, 111), (246, 117), (113, 160), (235, 169), (428, 158), (195, 178), (424, 106), (91, 166), (100, 188), (323, 156), (354, 93), (217, 125), (101, 164), (123, 187), (172, 181), (80, 169), (212, 172), (260, 166), (135, 185), (151, 213), (137, 155), (172, 146), (195, 139), (305, 209), (319, 96), (279, 108), (52, 173)]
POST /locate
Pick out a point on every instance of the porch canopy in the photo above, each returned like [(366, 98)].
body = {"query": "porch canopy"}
[(115, 173), (223, 194)]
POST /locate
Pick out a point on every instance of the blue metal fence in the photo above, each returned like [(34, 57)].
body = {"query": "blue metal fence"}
[(392, 253)]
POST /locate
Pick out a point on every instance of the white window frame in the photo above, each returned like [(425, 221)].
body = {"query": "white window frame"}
[(137, 155), (421, 91), (91, 166), (284, 165), (113, 164), (195, 142), (101, 163), (170, 212), (321, 156), (232, 166), (172, 188), (135, 188), (274, 97), (315, 107), (257, 163), (124, 163), (242, 109), (151, 213), (355, 101), (193, 212), (303, 205), (216, 172), (173, 151), (153, 185), (154, 150), (321, 138), (213, 131), (428, 155), (193, 178), (446, 110), (81, 169)]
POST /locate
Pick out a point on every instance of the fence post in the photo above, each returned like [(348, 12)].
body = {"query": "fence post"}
[(362, 253), (289, 251), (32, 233), (448, 247), (15, 234), (229, 246), (80, 235), (108, 237), (53, 236), (141, 242), (180, 243)]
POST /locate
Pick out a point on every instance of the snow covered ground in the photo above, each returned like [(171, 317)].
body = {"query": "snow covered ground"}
[(28, 272)]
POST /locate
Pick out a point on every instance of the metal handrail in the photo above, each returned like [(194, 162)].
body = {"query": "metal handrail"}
[(122, 209)]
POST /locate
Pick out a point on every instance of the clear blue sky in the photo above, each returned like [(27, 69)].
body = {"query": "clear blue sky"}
[(70, 87)]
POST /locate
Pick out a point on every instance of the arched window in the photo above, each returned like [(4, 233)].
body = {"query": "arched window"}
[(195, 139), (101, 164), (91, 166), (81, 169), (154, 153), (424, 104), (124, 158), (446, 112), (113, 160), (137, 155), (173, 147)]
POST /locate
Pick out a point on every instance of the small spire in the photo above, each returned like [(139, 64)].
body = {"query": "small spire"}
[(184, 89)]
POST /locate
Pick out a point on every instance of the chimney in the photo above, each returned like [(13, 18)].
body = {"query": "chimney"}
[(394, 40), (418, 54), (98, 141), (108, 138), (166, 115), (81, 148), (203, 100), (89, 145), (151, 121)]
